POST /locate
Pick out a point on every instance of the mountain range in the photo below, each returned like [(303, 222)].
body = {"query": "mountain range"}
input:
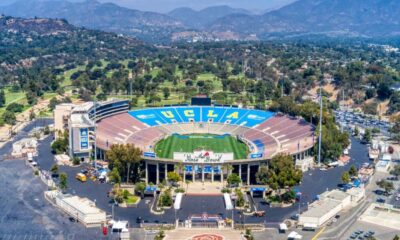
[(201, 19), (344, 18)]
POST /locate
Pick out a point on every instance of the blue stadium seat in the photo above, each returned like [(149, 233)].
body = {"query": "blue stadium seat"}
[(189, 113), (255, 117), (234, 116), (260, 146), (148, 116), (214, 113)]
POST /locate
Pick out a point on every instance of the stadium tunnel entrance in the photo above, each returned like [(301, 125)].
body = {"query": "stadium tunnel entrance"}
[(157, 172)]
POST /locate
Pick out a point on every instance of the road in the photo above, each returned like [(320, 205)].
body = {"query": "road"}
[(25, 214)]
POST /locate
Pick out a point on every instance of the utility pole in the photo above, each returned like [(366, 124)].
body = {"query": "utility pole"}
[(320, 126)]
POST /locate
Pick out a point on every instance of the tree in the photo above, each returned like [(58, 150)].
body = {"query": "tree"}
[(356, 131), (262, 175), (2, 98), (233, 179), (63, 181), (396, 237), (396, 171), (60, 145), (126, 159), (15, 107), (367, 136), (248, 235), (166, 93), (54, 170), (345, 177), (140, 187), (384, 91), (173, 177), (388, 186), (114, 176), (283, 173), (53, 103), (166, 199), (9, 117), (353, 171)]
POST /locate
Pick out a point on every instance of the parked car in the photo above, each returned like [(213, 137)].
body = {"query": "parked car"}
[(380, 200), (81, 177)]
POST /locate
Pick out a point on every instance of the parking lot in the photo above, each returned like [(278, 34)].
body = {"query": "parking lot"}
[(314, 182), (347, 118), (25, 214)]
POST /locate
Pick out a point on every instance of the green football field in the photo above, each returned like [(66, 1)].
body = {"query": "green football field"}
[(188, 143)]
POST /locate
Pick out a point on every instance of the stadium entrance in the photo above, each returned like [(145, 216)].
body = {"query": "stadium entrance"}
[(203, 173), (205, 221)]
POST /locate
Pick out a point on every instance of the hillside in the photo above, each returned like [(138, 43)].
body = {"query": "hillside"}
[(92, 14), (362, 18), (200, 19), (55, 42), (302, 18)]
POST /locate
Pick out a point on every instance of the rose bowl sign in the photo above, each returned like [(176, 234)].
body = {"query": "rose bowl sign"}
[(203, 156)]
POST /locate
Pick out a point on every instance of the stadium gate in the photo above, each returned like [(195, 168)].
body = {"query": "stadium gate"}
[(205, 221)]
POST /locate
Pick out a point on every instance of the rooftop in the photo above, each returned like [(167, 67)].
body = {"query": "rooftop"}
[(82, 205), (320, 208), (335, 195)]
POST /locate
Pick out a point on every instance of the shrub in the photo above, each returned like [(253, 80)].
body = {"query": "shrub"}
[(76, 161), (166, 199), (179, 190), (140, 187), (240, 198), (125, 194)]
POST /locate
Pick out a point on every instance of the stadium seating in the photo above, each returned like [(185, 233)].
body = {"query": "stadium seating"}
[(265, 132), (233, 116)]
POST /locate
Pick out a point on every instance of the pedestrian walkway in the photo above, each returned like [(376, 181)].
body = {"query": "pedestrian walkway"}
[(200, 234), (207, 188)]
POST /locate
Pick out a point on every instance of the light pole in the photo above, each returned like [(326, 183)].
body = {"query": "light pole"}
[(320, 127)]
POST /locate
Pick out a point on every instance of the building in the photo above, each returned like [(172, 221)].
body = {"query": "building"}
[(61, 115), (81, 209), (79, 120), (330, 203), (94, 128)]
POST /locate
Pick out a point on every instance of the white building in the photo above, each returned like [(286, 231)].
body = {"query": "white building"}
[(329, 205), (82, 209)]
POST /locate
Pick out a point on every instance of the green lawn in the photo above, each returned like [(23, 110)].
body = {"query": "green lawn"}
[(131, 199), (188, 143)]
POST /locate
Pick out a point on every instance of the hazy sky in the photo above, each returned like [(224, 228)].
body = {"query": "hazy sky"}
[(167, 5)]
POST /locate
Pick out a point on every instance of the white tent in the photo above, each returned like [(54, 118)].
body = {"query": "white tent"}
[(283, 227), (294, 235)]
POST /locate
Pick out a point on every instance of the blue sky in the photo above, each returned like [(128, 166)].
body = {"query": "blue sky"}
[(168, 5)]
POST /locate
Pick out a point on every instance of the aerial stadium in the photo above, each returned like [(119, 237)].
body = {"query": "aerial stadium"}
[(202, 142)]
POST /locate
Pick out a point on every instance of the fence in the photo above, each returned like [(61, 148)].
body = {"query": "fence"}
[(251, 226), (158, 226)]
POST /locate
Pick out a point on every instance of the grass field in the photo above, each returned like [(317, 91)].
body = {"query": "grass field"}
[(188, 143)]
